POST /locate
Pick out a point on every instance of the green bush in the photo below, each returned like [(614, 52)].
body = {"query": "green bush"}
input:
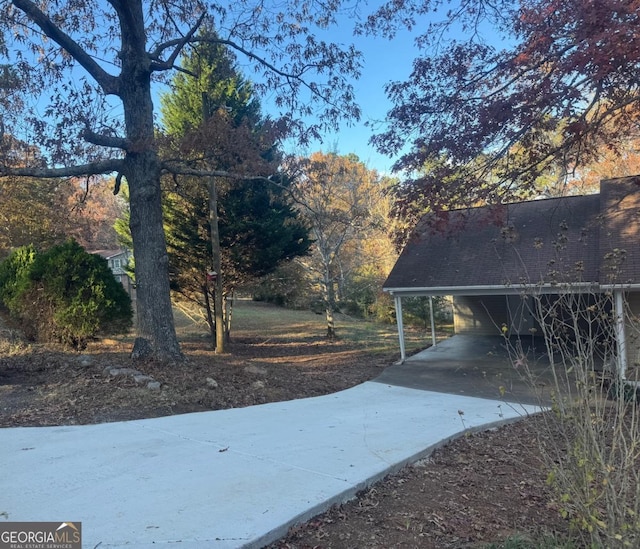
[(417, 311), (14, 277), (64, 295)]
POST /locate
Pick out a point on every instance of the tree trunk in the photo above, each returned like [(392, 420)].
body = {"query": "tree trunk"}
[(217, 265), (156, 329), (329, 303), (155, 314), (210, 321), (228, 309)]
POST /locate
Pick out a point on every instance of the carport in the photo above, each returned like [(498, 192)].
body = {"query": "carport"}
[(479, 366), (497, 260)]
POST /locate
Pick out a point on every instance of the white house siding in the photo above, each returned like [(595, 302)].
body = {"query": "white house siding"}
[(118, 260)]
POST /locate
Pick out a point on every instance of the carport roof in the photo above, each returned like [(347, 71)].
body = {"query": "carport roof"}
[(589, 240)]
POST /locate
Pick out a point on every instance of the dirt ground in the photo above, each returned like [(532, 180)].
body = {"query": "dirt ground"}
[(478, 489)]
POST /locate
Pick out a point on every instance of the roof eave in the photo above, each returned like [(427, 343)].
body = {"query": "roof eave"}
[(502, 289)]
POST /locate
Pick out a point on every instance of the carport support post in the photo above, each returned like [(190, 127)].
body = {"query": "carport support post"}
[(398, 304), (620, 334), (433, 323)]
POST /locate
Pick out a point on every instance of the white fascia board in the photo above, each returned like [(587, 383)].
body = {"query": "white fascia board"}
[(628, 287), (572, 287)]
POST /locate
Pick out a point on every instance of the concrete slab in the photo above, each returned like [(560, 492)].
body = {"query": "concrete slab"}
[(231, 478), (479, 366)]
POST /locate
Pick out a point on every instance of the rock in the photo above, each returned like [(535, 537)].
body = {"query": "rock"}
[(85, 360), (257, 385), (142, 378), (137, 375), (115, 371), (211, 383)]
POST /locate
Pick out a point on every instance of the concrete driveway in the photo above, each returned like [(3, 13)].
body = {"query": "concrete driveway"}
[(230, 478), (478, 366)]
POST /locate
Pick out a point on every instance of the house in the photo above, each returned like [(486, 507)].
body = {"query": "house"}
[(489, 259), (118, 261)]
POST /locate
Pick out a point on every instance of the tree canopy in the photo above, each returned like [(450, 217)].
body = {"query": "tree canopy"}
[(211, 81), (77, 81), (44, 212), (343, 202), (495, 80), (258, 229)]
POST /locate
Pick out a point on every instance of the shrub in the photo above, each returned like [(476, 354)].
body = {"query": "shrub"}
[(67, 295), (360, 294), (417, 311), (595, 470), (14, 277)]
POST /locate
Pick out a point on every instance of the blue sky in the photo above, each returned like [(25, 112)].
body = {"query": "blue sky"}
[(384, 61)]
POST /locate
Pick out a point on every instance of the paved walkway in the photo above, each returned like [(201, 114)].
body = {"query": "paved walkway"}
[(230, 478)]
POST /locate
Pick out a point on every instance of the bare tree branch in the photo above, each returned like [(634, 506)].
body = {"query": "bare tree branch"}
[(178, 46), (94, 168), (109, 84), (181, 42), (261, 60), (105, 140), (176, 168), (179, 168)]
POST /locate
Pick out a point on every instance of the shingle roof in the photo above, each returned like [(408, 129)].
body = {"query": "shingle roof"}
[(108, 254), (569, 239), (620, 232)]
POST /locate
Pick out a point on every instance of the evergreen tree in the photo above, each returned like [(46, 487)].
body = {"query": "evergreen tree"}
[(210, 82), (238, 228), (64, 294)]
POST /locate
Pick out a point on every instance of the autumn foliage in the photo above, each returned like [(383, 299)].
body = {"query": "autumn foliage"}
[(504, 93)]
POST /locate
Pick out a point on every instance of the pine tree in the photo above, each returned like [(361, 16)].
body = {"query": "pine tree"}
[(236, 228)]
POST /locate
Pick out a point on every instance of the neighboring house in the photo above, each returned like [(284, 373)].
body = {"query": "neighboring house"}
[(118, 261), (489, 258)]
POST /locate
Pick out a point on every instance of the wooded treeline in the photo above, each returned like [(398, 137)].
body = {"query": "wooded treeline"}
[(302, 232), (319, 239)]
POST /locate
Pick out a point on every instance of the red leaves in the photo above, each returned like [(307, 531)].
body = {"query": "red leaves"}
[(565, 88)]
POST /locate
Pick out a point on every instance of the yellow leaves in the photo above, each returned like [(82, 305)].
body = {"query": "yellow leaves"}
[(600, 523)]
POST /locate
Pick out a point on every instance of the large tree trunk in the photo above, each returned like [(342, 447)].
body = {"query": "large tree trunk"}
[(155, 314), (156, 330)]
